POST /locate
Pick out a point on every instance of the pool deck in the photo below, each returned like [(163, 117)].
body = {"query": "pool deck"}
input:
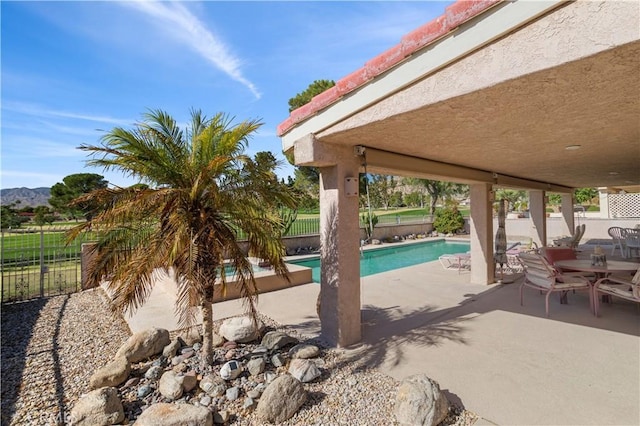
[(508, 363)]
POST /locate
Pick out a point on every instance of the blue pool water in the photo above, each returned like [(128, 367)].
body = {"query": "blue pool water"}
[(390, 258)]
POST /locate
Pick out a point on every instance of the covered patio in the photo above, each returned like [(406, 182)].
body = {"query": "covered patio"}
[(509, 364), (542, 96)]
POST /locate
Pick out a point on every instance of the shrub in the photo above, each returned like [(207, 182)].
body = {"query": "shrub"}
[(369, 225), (448, 220)]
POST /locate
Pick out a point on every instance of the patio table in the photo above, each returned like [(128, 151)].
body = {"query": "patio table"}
[(600, 271)]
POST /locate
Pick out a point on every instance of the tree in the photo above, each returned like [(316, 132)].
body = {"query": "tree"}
[(382, 189), (512, 196), (43, 215), (586, 195), (72, 187), (439, 190), (304, 97), (203, 191), (307, 179), (9, 217)]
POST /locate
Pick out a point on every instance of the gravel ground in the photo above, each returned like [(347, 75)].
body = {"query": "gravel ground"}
[(51, 347)]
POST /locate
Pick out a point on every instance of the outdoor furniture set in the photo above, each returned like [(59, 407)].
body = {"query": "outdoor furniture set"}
[(557, 269), (626, 240)]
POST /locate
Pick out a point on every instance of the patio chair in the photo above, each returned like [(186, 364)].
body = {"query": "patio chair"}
[(618, 287), (632, 241), (616, 233), (457, 261), (540, 275)]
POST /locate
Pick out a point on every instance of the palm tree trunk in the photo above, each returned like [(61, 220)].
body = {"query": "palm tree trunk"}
[(206, 309)]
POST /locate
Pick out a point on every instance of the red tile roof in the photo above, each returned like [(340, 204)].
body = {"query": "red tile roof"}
[(455, 14)]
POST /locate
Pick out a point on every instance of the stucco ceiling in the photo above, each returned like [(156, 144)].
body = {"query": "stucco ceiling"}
[(522, 127)]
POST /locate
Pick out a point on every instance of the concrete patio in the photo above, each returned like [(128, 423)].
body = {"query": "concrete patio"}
[(508, 363)]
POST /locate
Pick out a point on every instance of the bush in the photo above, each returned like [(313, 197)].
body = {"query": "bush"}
[(448, 221)]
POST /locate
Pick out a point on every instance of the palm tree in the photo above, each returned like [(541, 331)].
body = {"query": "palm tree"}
[(202, 190)]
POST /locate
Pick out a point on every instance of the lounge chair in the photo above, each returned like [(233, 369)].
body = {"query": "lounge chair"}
[(573, 240), (540, 275), (618, 287), (457, 261)]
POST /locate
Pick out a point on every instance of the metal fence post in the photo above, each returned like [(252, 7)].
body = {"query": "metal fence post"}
[(2, 262), (41, 262)]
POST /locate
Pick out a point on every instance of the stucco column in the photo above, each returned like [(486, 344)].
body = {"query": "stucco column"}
[(603, 195), (538, 217), (481, 227), (568, 225), (339, 239)]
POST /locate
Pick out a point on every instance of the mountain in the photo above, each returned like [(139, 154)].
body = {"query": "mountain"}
[(27, 196)]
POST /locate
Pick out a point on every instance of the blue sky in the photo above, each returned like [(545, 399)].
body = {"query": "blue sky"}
[(73, 70)]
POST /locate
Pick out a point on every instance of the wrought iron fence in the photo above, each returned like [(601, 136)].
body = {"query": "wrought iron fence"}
[(38, 263)]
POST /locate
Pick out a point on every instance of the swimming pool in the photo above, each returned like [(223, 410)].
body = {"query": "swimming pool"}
[(385, 259)]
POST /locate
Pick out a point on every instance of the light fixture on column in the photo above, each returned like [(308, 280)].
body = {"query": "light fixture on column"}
[(351, 187)]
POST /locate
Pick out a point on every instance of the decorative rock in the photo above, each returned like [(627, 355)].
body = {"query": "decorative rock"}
[(187, 350), (270, 376), (221, 417), (248, 403), (131, 382), (190, 336), (230, 370), (420, 401), (255, 366), (216, 340), (189, 381), (277, 340), (171, 349), (304, 370), (180, 368), (197, 346), (213, 385), (241, 329), (254, 393), (99, 407), (170, 386), (144, 344), (230, 354), (144, 390), (233, 393), (282, 398), (175, 415), (277, 360), (230, 345), (160, 362), (154, 373), (112, 374), (205, 400), (259, 351), (304, 351)]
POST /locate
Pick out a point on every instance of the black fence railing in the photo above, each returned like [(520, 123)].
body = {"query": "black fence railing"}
[(38, 263)]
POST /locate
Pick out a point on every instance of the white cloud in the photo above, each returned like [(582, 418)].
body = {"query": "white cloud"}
[(188, 29), (43, 112)]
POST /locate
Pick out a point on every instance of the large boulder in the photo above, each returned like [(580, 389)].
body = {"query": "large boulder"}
[(100, 407), (241, 329), (112, 374), (144, 344), (277, 340), (281, 399), (420, 401), (164, 414), (171, 386)]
